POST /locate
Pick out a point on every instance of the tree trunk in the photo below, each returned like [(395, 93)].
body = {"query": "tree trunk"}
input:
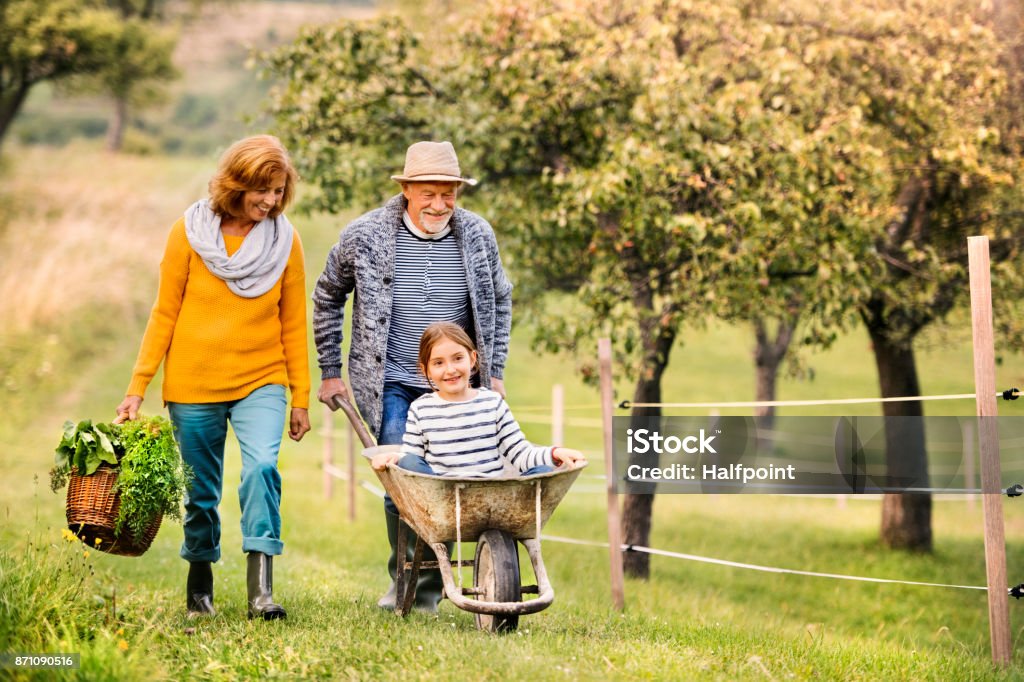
[(115, 129), (657, 338), (657, 334), (906, 517), (10, 104), (637, 509), (768, 356)]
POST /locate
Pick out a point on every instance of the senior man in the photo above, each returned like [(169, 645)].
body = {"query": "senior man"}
[(415, 261)]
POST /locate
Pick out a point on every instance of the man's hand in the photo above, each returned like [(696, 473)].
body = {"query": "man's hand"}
[(128, 409), (330, 388), (381, 460), (299, 425), (498, 386), (567, 457)]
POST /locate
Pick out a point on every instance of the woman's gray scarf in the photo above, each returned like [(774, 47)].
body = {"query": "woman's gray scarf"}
[(256, 266)]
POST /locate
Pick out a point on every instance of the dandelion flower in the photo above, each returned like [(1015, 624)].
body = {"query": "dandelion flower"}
[(85, 554), (122, 645)]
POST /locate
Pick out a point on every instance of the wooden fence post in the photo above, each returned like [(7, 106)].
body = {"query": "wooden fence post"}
[(604, 357), (988, 447), (557, 415)]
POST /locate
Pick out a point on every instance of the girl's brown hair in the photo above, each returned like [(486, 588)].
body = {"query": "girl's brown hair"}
[(249, 165), (443, 330)]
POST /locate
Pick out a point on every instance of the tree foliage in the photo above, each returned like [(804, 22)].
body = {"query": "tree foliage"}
[(734, 156), (142, 66), (141, 62)]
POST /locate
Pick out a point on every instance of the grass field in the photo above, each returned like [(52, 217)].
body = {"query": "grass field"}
[(69, 354)]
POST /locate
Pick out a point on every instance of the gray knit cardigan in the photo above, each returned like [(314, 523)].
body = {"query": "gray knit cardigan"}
[(363, 261)]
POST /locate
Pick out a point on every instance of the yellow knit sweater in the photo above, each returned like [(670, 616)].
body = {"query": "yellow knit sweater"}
[(216, 345)]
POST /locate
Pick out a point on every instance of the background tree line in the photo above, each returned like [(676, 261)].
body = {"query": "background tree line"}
[(121, 48), (150, 76)]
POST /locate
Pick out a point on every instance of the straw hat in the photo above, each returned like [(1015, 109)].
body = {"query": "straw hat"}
[(432, 162)]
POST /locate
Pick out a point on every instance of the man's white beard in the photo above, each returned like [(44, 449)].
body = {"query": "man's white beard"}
[(433, 224)]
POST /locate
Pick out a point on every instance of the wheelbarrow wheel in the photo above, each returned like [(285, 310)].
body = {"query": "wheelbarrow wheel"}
[(496, 576)]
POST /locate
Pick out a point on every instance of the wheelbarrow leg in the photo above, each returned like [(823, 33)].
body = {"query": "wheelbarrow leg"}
[(404, 602), (401, 581)]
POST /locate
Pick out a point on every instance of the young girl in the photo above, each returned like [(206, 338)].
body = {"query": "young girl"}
[(463, 431)]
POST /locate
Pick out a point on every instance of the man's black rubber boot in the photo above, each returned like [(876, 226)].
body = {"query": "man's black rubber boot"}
[(199, 589), (387, 602), (429, 586), (260, 581)]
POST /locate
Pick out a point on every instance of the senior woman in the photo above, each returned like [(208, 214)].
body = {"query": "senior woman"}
[(229, 324)]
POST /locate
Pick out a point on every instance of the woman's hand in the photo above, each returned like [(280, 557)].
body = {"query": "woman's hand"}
[(128, 409), (381, 460), (567, 457), (299, 425)]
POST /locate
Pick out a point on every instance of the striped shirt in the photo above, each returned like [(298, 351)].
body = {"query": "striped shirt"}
[(430, 286), (473, 438)]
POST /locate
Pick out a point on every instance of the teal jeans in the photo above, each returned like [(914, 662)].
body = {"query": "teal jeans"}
[(201, 430)]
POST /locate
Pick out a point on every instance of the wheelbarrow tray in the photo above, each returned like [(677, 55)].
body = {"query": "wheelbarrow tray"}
[(428, 503)]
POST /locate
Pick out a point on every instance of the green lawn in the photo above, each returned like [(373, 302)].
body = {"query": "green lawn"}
[(691, 620)]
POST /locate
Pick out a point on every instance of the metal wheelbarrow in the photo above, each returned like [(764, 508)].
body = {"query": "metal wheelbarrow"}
[(494, 513)]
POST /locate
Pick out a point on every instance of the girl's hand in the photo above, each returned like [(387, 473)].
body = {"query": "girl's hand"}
[(567, 457), (128, 409), (381, 460)]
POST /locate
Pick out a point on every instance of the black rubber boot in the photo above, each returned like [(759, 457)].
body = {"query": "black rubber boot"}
[(387, 602), (429, 586), (260, 581), (199, 589)]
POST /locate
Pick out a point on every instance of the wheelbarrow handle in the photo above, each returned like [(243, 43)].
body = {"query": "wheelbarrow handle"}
[(338, 402)]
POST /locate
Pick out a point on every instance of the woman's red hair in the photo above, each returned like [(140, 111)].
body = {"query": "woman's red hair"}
[(248, 165)]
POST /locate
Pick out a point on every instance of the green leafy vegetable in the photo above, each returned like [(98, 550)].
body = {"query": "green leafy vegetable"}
[(152, 479), (84, 446)]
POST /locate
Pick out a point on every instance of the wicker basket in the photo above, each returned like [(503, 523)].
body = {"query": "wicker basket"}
[(92, 507)]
